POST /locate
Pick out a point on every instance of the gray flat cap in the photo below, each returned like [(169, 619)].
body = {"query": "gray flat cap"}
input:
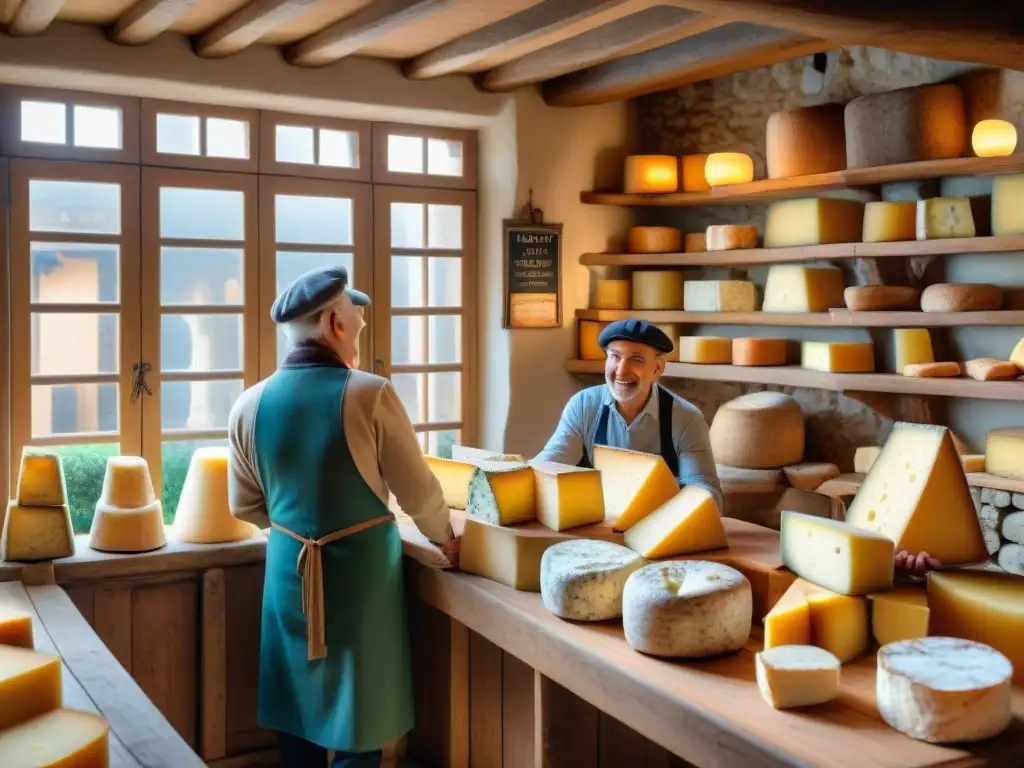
[(312, 291)]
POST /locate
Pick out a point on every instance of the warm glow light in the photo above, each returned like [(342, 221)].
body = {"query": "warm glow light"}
[(692, 168), (724, 168), (994, 138), (651, 173)]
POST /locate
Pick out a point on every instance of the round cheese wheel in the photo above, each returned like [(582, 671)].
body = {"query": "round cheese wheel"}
[(583, 579), (799, 142), (687, 609), (762, 430), (612, 294), (730, 237), (876, 298), (655, 240), (961, 297), (657, 289), (695, 242), (943, 689), (115, 529)]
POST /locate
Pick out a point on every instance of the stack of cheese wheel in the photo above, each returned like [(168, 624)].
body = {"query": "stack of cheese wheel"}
[(129, 517), (203, 515), (37, 525)]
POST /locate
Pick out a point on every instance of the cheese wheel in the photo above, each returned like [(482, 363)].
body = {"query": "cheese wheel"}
[(886, 222), (654, 240), (687, 609), (612, 294), (877, 298), (127, 483), (797, 676), (650, 174), (203, 515), (988, 369), (583, 579), (759, 351), (944, 690), (731, 237), (658, 289), (800, 142), (762, 430), (709, 350), (695, 242), (589, 331), (116, 529), (942, 370), (961, 297), (692, 169), (724, 168)]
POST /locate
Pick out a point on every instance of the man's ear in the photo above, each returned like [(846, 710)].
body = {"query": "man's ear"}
[(659, 366)]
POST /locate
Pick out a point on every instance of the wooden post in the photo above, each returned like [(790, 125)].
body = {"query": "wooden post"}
[(458, 696), (214, 666)]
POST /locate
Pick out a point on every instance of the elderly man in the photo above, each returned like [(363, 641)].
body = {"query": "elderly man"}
[(314, 451), (631, 410)]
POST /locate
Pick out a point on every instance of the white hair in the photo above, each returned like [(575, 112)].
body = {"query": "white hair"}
[(311, 326)]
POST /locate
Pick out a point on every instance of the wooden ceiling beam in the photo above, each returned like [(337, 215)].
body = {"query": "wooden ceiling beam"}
[(715, 53), (33, 16), (247, 25), (363, 27), (148, 19)]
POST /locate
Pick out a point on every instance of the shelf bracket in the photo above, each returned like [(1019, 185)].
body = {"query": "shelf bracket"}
[(919, 409)]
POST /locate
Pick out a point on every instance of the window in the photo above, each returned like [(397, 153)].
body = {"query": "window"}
[(203, 137), (5, 372), (318, 147), (421, 156)]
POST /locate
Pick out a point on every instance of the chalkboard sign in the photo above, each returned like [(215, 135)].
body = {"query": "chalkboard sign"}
[(533, 287)]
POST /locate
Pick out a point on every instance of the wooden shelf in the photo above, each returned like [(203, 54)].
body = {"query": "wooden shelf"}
[(842, 318), (752, 256), (847, 485), (794, 376), (803, 186)]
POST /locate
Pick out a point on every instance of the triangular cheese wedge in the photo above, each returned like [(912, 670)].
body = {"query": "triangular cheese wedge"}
[(688, 522), (634, 484), (503, 493), (567, 496), (916, 494), (789, 622), (454, 477), (839, 623)]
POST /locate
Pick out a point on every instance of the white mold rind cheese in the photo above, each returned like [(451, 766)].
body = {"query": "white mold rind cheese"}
[(687, 609), (583, 579)]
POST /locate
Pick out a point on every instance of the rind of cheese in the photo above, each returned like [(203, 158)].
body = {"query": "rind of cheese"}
[(686, 609), (944, 217), (650, 174), (805, 141), (30, 684), (943, 370), (797, 676), (887, 222), (470, 455), (692, 169), (658, 289), (1004, 452), (730, 237), (509, 556), (502, 493), (916, 494), (807, 477), (454, 477), (719, 296), (1007, 214), (41, 480), (708, 350), (753, 352), (838, 357), (789, 620), (973, 462), (654, 240), (695, 242), (990, 369), (762, 430), (813, 221), (944, 690), (864, 457), (36, 533), (911, 346), (203, 515), (127, 530), (961, 297), (798, 288), (899, 614), (634, 484), (567, 497), (16, 628), (877, 298), (589, 331), (127, 483), (612, 294), (688, 522), (725, 168), (583, 579), (839, 623), (61, 738), (743, 480)]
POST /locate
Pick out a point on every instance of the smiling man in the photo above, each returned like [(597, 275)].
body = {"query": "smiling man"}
[(631, 410)]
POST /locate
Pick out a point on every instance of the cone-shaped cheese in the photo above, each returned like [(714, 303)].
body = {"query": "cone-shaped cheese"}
[(36, 533), (129, 517), (41, 479), (127, 483), (203, 515)]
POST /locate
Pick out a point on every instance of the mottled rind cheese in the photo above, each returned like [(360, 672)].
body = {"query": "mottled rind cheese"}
[(589, 331), (634, 484), (797, 676), (116, 529), (454, 477), (30, 685), (204, 515), (654, 240), (688, 522), (899, 614), (695, 242), (686, 609), (1004, 452), (805, 141), (944, 217), (719, 296), (36, 533), (961, 297), (876, 298), (886, 222), (730, 237), (796, 288), (911, 346), (583, 579), (753, 352), (711, 350), (509, 556), (762, 430), (813, 221), (567, 497), (657, 289), (502, 493), (61, 738), (1007, 212), (692, 169), (15, 628), (838, 357), (41, 479), (807, 477), (612, 294)]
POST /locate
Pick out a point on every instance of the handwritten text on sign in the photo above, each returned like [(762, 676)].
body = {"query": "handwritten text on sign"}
[(532, 254)]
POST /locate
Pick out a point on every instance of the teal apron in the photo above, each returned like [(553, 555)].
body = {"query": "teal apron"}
[(358, 696)]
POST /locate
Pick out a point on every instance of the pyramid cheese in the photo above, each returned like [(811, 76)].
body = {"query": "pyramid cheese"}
[(61, 738), (719, 296), (657, 289), (30, 684), (127, 483), (15, 628), (710, 350), (899, 614), (789, 620), (475, 455), (839, 623), (688, 522), (912, 346), (916, 494), (509, 556), (567, 496), (454, 477), (1004, 452), (762, 430), (634, 484), (203, 515), (612, 294), (797, 676), (886, 222), (502, 493), (36, 533), (836, 555), (813, 221), (582, 579), (41, 479)]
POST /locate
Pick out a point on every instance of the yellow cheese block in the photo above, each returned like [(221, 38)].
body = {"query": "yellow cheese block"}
[(204, 515), (796, 288), (813, 221), (454, 477), (115, 529), (568, 497), (589, 331), (941, 217), (30, 684), (657, 289), (15, 628), (1004, 452), (838, 357), (127, 483), (805, 141), (695, 242), (724, 168), (503, 493), (839, 623), (886, 222), (973, 462), (612, 294), (509, 556), (713, 350), (634, 484), (1007, 212), (61, 738), (692, 169), (899, 614), (789, 621), (916, 494), (36, 533), (688, 522), (753, 352), (865, 457), (41, 479), (650, 173), (730, 237), (797, 676), (719, 296), (654, 240), (911, 346)]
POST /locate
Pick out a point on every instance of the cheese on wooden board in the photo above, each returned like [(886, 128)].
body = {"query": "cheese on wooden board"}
[(916, 494), (899, 614), (923, 123), (910, 347), (502, 492), (944, 690), (789, 620), (1007, 212), (813, 221), (475, 455), (692, 168), (634, 484), (807, 477), (115, 529), (127, 483), (973, 462), (990, 369), (654, 240), (838, 357), (943, 370), (730, 237), (876, 298), (754, 352), (719, 296), (943, 217), (30, 684), (961, 297), (839, 623), (1004, 452), (15, 628), (204, 515), (583, 579), (836, 555), (509, 556), (711, 350), (36, 533), (796, 288), (1017, 355), (805, 141), (762, 430), (589, 331), (61, 738), (797, 676), (887, 222), (658, 289), (567, 497), (695, 242), (612, 294), (41, 480), (864, 458), (686, 609), (688, 522), (454, 477)]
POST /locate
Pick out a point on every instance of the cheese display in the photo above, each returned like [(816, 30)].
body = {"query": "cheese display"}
[(695, 242), (60, 738), (730, 237), (688, 522), (887, 222), (657, 289), (509, 556), (805, 141), (612, 294), (454, 477), (654, 239), (796, 288), (30, 684), (762, 430), (989, 369), (583, 580), (692, 169), (719, 296), (41, 480), (838, 357), (944, 690), (916, 494), (474, 455), (839, 623), (724, 168), (807, 477), (129, 517), (36, 533), (15, 628), (910, 347), (876, 298), (686, 609), (1007, 214), (924, 123), (589, 332), (789, 621), (797, 676), (864, 457), (993, 138), (755, 352), (204, 515), (712, 350), (961, 297), (567, 497), (650, 173), (943, 217), (502, 492), (813, 221), (944, 370), (634, 484), (1004, 452), (899, 614)]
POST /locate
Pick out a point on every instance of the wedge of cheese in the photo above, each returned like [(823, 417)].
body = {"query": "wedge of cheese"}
[(60, 738), (509, 556), (838, 357), (15, 628), (30, 684), (789, 621), (795, 288), (839, 623), (454, 477), (899, 614), (567, 497), (503, 493), (688, 522), (797, 676), (634, 484), (36, 533), (41, 480)]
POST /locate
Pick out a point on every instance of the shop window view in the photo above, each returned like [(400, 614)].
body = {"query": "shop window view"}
[(304, 145)]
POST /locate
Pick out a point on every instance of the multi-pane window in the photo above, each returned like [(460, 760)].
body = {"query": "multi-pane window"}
[(191, 136)]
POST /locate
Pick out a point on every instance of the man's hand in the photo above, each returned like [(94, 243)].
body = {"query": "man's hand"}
[(452, 549), (918, 564)]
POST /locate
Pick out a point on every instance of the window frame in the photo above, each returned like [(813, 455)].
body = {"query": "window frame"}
[(150, 108), (5, 338), (269, 164), (381, 174)]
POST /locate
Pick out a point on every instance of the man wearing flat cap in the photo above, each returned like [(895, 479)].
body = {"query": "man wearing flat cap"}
[(314, 451), (631, 410)]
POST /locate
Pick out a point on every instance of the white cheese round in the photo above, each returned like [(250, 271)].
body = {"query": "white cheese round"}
[(797, 675), (583, 579), (687, 609), (943, 689)]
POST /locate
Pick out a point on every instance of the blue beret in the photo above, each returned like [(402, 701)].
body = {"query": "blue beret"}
[(312, 291), (640, 331)]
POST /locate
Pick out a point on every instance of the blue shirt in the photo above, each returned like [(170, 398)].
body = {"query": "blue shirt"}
[(690, 439)]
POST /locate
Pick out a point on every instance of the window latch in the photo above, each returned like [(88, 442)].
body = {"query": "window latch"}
[(139, 385)]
